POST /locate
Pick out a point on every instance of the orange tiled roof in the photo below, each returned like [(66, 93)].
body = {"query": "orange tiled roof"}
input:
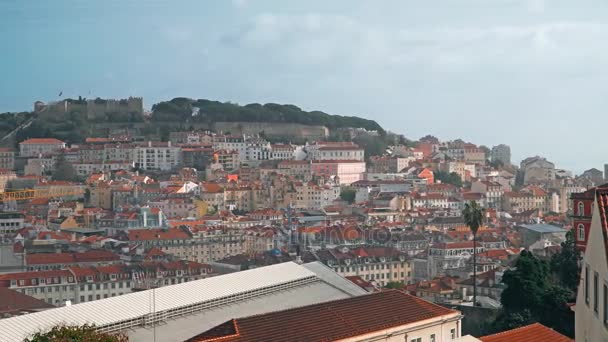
[(330, 321), (37, 141), (530, 333)]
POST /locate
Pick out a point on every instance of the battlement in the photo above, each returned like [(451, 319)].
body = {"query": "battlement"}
[(92, 107)]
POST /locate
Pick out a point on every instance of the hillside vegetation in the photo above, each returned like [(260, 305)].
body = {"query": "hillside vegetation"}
[(182, 109), (74, 127)]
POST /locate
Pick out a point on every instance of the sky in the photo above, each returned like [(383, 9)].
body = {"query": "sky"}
[(528, 73)]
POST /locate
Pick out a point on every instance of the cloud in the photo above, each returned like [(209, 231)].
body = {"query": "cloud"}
[(177, 34), (535, 6), (315, 39), (240, 4)]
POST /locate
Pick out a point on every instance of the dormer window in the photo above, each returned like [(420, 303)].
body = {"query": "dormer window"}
[(90, 278), (34, 281), (112, 276), (581, 209), (41, 280)]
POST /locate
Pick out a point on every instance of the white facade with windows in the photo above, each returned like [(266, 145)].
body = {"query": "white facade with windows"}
[(158, 156)]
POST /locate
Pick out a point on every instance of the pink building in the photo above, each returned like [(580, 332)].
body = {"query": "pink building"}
[(348, 171)]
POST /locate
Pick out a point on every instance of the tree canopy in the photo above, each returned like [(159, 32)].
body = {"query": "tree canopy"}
[(532, 296), (63, 170), (348, 194), (565, 264), (448, 178), (84, 333), (184, 109)]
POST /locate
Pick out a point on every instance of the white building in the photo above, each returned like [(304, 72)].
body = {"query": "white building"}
[(335, 151), (158, 156), (37, 146)]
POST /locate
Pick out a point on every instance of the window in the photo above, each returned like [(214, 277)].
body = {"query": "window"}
[(419, 339), (581, 209), (432, 338), (453, 333), (596, 293), (587, 285), (581, 232), (605, 304)]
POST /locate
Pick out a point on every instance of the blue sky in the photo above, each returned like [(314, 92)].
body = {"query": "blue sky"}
[(528, 73)]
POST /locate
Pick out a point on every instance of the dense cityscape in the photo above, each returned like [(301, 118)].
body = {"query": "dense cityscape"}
[(167, 226), (303, 171)]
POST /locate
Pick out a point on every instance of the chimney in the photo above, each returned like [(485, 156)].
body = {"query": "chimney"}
[(149, 143)]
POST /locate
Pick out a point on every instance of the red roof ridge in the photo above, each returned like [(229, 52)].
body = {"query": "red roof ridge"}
[(531, 331)]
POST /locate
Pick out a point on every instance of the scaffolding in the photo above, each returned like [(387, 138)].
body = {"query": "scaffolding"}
[(50, 192)]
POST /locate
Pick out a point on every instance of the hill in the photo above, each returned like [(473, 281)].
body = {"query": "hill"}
[(206, 111), (73, 125)]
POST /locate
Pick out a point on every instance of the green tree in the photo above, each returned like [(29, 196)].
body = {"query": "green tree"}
[(526, 283), (448, 178), (348, 194), (473, 218), (394, 285), (84, 333), (63, 171), (531, 294), (565, 264)]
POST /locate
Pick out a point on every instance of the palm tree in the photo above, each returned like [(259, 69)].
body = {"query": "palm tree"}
[(473, 217)]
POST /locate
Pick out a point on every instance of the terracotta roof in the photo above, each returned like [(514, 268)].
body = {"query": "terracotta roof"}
[(70, 258), (157, 234), (530, 333), (330, 321), (14, 302), (37, 141)]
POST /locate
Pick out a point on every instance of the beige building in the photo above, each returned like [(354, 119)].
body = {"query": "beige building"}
[(310, 195), (380, 265), (204, 245), (523, 201), (40, 146), (7, 158), (591, 311)]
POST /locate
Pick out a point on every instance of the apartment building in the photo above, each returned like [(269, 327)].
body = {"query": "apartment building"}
[(158, 156), (310, 195), (58, 261), (282, 151), (334, 151), (591, 311), (85, 284), (449, 256), (200, 245), (10, 222), (7, 158), (347, 171), (40, 146), (378, 264)]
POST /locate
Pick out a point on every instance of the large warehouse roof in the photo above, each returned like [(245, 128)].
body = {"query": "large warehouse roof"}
[(138, 310)]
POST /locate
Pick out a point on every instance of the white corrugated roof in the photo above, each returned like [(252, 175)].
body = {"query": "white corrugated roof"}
[(117, 309)]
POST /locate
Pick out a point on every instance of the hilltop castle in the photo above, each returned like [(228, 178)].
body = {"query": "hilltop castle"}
[(93, 108)]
